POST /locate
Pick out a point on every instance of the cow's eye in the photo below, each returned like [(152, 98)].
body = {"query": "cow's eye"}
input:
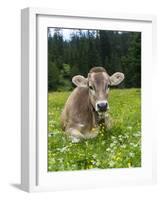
[(91, 88)]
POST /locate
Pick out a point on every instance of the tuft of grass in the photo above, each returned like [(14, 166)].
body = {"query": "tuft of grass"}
[(118, 147)]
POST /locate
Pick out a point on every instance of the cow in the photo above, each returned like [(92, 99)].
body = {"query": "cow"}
[(87, 106)]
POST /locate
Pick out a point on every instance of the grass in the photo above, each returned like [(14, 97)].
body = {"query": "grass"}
[(118, 147)]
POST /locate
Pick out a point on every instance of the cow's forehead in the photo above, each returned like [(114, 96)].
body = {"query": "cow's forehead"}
[(99, 77)]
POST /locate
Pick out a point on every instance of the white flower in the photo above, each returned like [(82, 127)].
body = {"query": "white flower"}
[(60, 159), (129, 127), (137, 134), (133, 145), (108, 149), (112, 144), (123, 146), (97, 163), (94, 155), (131, 154), (63, 149), (111, 163)]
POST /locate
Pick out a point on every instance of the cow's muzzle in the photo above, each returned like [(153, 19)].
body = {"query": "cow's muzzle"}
[(101, 106)]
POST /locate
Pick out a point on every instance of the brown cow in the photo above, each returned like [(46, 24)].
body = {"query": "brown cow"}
[(87, 105)]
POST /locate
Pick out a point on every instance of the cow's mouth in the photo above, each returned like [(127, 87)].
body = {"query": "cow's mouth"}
[(102, 110)]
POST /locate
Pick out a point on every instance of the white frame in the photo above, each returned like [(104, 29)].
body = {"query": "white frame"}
[(31, 170)]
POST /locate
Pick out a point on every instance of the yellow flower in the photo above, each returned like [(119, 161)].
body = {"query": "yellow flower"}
[(129, 164), (118, 158)]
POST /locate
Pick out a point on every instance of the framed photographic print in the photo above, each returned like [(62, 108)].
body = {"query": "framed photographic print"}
[(86, 110)]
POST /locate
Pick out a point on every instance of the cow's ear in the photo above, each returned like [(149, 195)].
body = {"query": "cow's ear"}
[(80, 81), (116, 78)]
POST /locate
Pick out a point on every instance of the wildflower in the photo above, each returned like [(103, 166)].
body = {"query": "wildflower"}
[(63, 149), (118, 158), (133, 145), (129, 127), (111, 163), (126, 135), (136, 134), (60, 159), (97, 163), (129, 164), (123, 146), (131, 154), (112, 144), (108, 149), (94, 155)]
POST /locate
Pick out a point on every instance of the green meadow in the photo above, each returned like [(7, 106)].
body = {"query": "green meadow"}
[(117, 147)]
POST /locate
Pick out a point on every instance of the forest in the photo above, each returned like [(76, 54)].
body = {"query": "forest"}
[(114, 50)]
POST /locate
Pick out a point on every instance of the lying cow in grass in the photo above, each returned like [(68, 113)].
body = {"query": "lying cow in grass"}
[(87, 105)]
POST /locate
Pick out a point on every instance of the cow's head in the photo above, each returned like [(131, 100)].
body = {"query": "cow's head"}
[(98, 83)]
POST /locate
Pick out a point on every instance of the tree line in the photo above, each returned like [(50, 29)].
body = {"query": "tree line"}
[(114, 50)]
